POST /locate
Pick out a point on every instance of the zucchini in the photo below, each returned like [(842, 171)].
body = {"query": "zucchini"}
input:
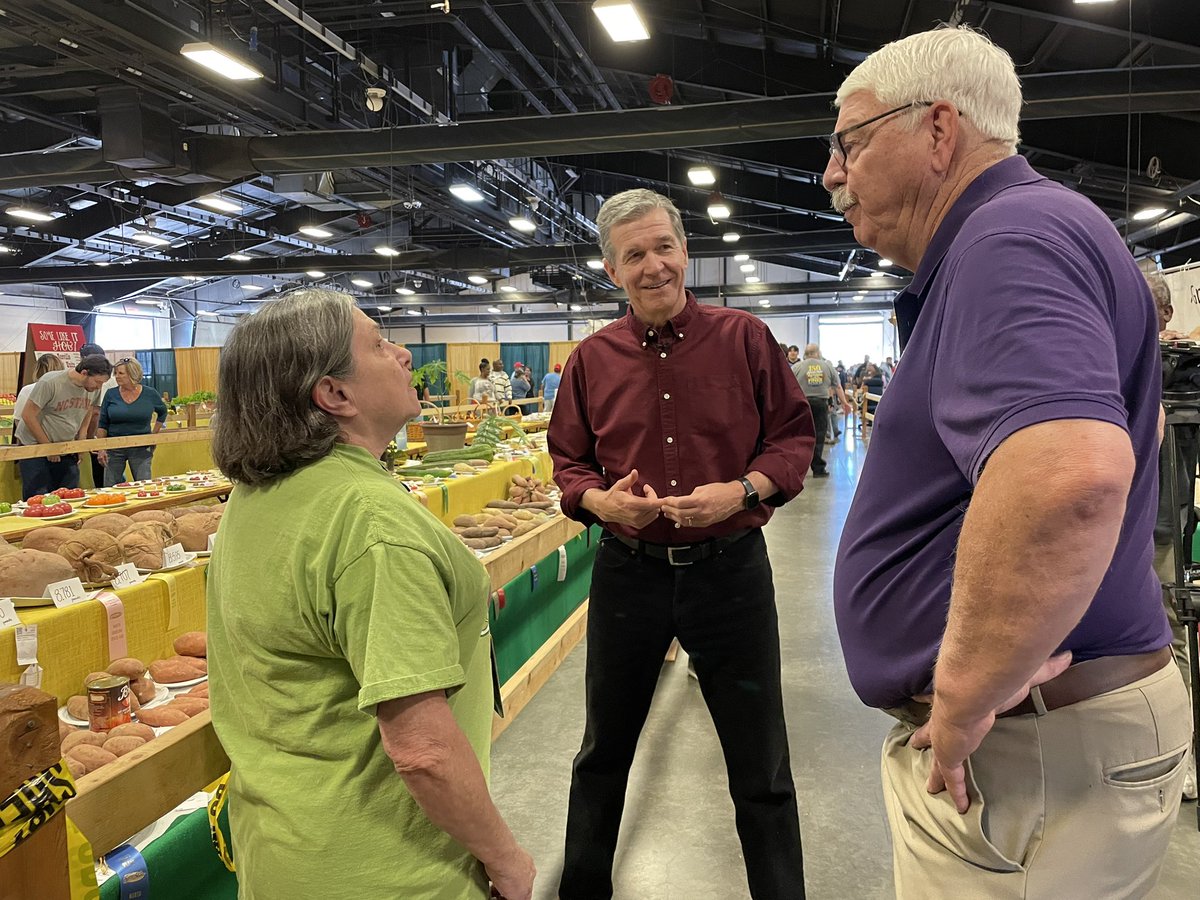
[(410, 472), (475, 451)]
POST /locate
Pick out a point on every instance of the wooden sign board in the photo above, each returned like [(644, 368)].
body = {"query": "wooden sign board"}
[(63, 341)]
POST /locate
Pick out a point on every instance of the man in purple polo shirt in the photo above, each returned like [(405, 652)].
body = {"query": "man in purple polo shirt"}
[(996, 561)]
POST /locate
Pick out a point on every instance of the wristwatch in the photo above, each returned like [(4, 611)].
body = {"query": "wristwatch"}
[(751, 500)]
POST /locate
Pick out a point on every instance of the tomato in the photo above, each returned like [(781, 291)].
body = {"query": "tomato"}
[(35, 500)]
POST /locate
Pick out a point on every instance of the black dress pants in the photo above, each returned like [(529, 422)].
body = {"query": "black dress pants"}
[(820, 414), (723, 611)]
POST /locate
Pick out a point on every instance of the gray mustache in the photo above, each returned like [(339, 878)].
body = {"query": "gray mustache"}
[(842, 199)]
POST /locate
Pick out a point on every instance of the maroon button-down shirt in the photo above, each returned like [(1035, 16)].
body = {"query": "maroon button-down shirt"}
[(706, 398)]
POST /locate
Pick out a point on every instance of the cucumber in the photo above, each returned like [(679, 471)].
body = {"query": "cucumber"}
[(421, 471), (475, 451)]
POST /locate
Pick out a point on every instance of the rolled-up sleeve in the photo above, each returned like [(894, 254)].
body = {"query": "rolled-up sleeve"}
[(572, 444), (786, 437)]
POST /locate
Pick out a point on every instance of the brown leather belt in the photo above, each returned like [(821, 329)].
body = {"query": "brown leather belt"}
[(1088, 679)]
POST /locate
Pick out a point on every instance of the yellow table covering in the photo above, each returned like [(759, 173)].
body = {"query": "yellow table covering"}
[(469, 494), (73, 642)]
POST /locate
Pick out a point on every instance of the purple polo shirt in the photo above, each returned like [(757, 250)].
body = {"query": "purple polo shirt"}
[(1026, 307)]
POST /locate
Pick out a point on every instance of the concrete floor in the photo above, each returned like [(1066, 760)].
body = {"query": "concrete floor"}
[(677, 839)]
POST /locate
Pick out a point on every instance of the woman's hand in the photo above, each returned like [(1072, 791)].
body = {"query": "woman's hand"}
[(513, 878), (102, 457)]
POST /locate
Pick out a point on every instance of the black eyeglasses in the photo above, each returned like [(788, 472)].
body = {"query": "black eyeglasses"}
[(837, 149), (125, 360)]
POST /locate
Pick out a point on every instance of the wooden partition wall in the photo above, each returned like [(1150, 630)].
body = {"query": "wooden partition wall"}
[(196, 369), (559, 351), (10, 364), (465, 358)]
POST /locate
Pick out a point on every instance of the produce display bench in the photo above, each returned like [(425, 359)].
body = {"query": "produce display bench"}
[(176, 451), (541, 621)]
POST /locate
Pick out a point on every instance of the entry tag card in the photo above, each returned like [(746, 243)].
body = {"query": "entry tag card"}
[(115, 611), (174, 555), (66, 593), (533, 578), (27, 642), (562, 563), (8, 614), (127, 576), (212, 539)]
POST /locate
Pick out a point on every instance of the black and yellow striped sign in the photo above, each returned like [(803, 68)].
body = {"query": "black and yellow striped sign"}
[(33, 804)]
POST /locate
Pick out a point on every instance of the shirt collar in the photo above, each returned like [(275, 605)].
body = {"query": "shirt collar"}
[(1007, 173), (673, 327)]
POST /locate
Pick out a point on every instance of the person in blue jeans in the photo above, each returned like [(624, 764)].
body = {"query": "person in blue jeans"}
[(126, 410), (550, 383)]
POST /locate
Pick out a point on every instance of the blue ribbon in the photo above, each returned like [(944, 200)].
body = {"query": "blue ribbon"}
[(132, 874)]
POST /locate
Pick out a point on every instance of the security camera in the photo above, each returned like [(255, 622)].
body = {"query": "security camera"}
[(375, 97)]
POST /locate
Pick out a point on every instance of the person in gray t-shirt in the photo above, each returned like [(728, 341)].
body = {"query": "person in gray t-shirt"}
[(819, 381), (59, 408)]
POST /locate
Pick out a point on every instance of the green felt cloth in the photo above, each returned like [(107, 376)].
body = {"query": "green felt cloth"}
[(183, 863)]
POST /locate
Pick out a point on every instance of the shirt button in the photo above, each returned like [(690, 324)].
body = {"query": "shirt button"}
[(670, 440), (681, 335), (663, 355), (678, 525), (651, 333), (666, 396), (674, 482), (643, 343)]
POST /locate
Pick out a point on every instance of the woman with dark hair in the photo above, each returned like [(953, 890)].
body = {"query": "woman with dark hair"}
[(352, 689), (481, 387)]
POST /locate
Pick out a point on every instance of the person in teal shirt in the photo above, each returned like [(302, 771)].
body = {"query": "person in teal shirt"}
[(127, 410), (348, 644)]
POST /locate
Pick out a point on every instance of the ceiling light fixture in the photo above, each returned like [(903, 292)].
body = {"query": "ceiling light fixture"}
[(764, 302), (149, 238), (861, 294), (240, 257), (521, 223), (385, 250), (75, 292), (507, 289), (731, 237), (219, 61), (361, 282), (494, 310), (406, 291), (465, 192), (193, 277), (148, 302), (741, 257), (1150, 212), (701, 176), (752, 279), (885, 263), (718, 207), (315, 273), (596, 264), (413, 312), (31, 213), (316, 231), (220, 204), (747, 267), (477, 279), (621, 20), (252, 287), (206, 312), (384, 308), (575, 307)]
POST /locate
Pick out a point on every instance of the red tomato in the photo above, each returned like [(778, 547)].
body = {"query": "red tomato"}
[(35, 500)]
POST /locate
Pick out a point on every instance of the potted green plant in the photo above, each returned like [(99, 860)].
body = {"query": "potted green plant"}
[(438, 432)]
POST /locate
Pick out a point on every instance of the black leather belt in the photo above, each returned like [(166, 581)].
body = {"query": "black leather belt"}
[(684, 554)]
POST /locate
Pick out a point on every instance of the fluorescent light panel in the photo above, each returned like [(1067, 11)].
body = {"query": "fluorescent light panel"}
[(240, 257), (701, 176), (596, 264), (361, 282), (384, 250), (885, 263), (520, 223), (149, 238), (730, 237), (206, 312), (413, 312), (406, 291), (621, 20), (30, 214), (741, 257), (493, 309), (315, 273), (220, 204), (752, 279), (75, 292), (477, 279), (316, 231), (465, 192), (508, 289), (1150, 212), (219, 61), (384, 308)]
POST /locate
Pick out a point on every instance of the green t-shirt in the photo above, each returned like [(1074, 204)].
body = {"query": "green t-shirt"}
[(329, 592)]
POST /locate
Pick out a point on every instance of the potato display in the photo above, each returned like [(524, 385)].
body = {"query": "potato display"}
[(502, 518), (27, 573)]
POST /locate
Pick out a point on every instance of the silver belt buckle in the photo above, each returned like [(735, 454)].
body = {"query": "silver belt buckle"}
[(671, 555)]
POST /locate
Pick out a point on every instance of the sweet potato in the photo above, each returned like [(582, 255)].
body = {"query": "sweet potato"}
[(162, 717), (47, 538), (200, 690), (26, 573), (143, 688), (92, 757), (93, 676), (193, 643), (465, 521), (6, 547), (77, 707), (64, 730), (143, 542), (172, 671), (93, 553), (133, 729), (112, 523), (480, 531), (482, 543), (77, 769), (128, 666), (95, 738), (189, 705), (524, 528), (199, 663), (501, 504), (155, 515), (119, 746)]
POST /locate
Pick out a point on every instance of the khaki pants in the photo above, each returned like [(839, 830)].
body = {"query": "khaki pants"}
[(1079, 803)]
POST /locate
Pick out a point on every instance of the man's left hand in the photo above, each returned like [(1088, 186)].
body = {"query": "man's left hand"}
[(706, 505), (954, 738)]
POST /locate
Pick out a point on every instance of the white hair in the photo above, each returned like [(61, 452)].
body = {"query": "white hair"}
[(957, 64)]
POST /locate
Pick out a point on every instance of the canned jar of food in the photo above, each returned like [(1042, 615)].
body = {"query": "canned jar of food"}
[(108, 703)]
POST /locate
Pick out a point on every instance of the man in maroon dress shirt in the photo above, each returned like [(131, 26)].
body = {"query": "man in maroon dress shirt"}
[(678, 428)]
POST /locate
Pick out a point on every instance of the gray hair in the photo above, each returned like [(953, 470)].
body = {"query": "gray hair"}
[(629, 205), (269, 425), (957, 64), (812, 351)]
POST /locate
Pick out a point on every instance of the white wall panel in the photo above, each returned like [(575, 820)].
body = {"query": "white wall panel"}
[(18, 309)]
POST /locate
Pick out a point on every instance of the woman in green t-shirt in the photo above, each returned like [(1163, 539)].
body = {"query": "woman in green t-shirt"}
[(348, 646)]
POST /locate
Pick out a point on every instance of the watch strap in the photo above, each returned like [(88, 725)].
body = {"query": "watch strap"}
[(751, 500)]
